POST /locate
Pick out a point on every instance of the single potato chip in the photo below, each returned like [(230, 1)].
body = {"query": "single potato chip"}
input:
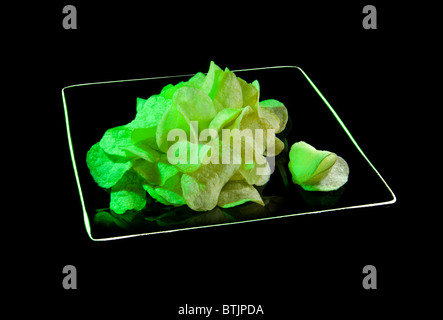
[(128, 194), (223, 118), (249, 93), (335, 179), (115, 140), (172, 119), (105, 170), (314, 169), (212, 80), (229, 92), (170, 193), (202, 187), (235, 193), (195, 105), (275, 113), (149, 111), (149, 171)]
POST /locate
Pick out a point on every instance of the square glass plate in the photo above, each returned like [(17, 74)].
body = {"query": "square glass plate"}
[(95, 107)]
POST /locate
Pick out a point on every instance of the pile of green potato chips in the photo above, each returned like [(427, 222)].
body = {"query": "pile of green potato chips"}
[(180, 148)]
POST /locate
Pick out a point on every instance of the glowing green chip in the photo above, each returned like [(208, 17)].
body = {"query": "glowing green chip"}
[(316, 170), (235, 193), (128, 194), (105, 169)]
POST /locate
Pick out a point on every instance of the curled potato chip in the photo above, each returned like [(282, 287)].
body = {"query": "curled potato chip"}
[(105, 169), (202, 187), (235, 193), (149, 111), (249, 93), (144, 136), (171, 190), (229, 92), (172, 119), (275, 113), (314, 169), (197, 80), (170, 193), (274, 147), (262, 131), (115, 140), (128, 194), (336, 177), (149, 171), (256, 174), (146, 153), (237, 176), (195, 105), (152, 191), (223, 118), (248, 119), (212, 80)]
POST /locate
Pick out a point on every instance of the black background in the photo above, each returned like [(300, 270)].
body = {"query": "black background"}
[(302, 265)]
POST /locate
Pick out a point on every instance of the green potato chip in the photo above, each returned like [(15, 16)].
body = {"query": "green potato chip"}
[(223, 118), (140, 103), (166, 171), (152, 191), (144, 135), (249, 93), (249, 119), (237, 176), (202, 187), (195, 105), (128, 194), (149, 111), (197, 80), (106, 170), (212, 80), (145, 152), (275, 113), (235, 193), (171, 191), (257, 173), (256, 86), (229, 92), (169, 90), (172, 119), (263, 136), (149, 171), (115, 140), (145, 139), (314, 169), (307, 164), (273, 148), (337, 176)]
